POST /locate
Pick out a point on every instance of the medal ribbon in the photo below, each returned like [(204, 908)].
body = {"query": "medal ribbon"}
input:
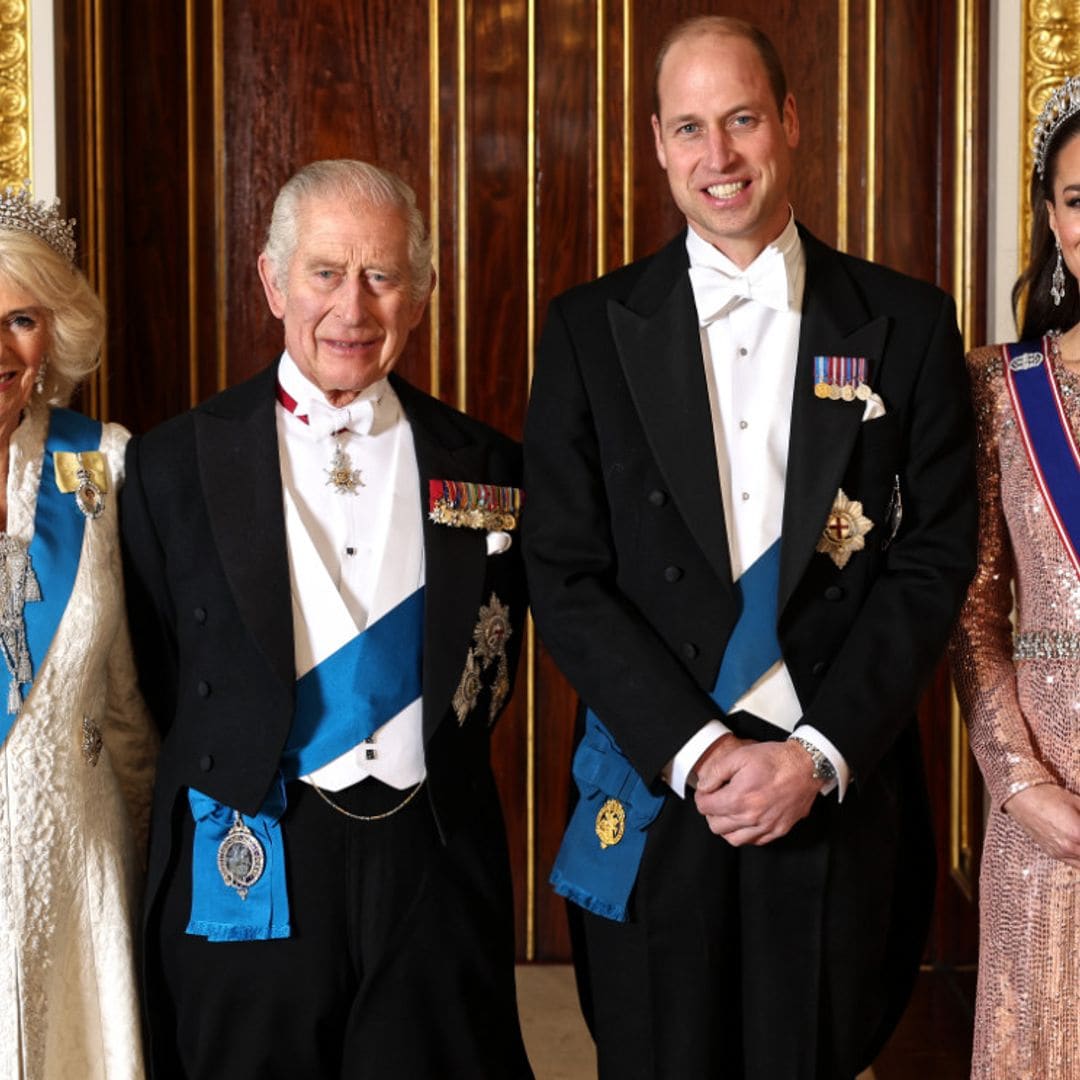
[(601, 879), (1048, 439), (56, 548)]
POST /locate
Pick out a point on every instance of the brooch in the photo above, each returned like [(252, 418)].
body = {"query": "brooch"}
[(91, 741), (84, 473), (464, 504), (845, 530), (841, 378), (492, 632)]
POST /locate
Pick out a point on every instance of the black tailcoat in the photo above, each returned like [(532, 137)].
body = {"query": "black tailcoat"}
[(211, 614), (626, 550)]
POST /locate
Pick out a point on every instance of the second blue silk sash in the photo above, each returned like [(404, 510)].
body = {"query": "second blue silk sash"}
[(56, 547), (339, 703), (601, 851), (1047, 436)]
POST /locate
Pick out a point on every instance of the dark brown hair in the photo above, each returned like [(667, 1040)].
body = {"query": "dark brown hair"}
[(1033, 285), (703, 25)]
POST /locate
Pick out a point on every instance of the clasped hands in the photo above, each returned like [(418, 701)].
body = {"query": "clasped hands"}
[(754, 792)]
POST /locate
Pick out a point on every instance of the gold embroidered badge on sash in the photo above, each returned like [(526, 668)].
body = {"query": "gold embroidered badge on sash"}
[(610, 823)]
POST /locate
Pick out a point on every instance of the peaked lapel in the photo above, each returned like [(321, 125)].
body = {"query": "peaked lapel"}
[(455, 560), (659, 345), (240, 473), (835, 322)]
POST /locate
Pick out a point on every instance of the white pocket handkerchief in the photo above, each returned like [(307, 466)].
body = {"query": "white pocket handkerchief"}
[(498, 542), (875, 407)]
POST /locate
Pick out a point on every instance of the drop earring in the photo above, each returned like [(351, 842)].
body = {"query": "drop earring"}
[(1057, 282), (39, 380)]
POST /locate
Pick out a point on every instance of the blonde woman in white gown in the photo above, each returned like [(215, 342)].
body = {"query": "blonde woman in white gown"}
[(76, 748)]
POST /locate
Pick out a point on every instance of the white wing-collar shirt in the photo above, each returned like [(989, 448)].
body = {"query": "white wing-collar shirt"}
[(352, 556), (750, 320)]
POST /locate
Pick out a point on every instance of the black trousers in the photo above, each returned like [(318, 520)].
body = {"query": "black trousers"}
[(400, 963), (790, 961)]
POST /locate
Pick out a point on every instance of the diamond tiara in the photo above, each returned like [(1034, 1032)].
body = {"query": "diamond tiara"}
[(19, 211), (1060, 105)]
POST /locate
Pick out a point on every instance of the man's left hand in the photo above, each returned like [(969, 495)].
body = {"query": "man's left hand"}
[(758, 792)]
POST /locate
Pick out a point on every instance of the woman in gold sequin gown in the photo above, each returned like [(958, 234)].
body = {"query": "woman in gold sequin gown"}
[(1021, 692)]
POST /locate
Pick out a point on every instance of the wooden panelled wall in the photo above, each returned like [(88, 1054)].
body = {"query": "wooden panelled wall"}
[(524, 127)]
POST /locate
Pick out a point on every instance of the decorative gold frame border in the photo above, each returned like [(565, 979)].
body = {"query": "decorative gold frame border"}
[(1050, 33), (15, 112), (962, 856)]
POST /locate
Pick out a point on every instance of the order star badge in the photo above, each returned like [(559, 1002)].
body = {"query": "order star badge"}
[(845, 530)]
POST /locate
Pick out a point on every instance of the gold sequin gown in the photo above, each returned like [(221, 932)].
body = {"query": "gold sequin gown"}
[(1024, 719)]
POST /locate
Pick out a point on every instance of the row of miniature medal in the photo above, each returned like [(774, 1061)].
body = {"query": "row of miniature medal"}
[(841, 378)]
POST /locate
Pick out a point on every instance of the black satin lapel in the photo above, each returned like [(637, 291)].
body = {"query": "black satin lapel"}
[(823, 431), (662, 362), (240, 473), (454, 559)]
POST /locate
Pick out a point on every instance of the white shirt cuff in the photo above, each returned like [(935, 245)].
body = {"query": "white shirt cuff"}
[(843, 773), (677, 771)]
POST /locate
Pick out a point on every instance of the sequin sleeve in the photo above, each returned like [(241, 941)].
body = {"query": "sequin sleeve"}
[(981, 647)]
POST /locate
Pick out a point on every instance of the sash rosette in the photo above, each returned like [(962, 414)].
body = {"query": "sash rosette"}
[(600, 878)]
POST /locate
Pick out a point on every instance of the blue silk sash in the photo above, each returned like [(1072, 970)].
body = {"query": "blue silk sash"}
[(1047, 437), (339, 703), (601, 878), (56, 547)]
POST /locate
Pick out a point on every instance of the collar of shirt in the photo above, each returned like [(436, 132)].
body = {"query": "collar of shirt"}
[(311, 402), (703, 256)]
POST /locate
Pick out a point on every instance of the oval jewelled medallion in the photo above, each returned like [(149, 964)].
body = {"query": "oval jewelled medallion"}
[(240, 857), (610, 823), (89, 497)]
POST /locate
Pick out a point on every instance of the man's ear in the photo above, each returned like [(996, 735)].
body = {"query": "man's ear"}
[(268, 276)]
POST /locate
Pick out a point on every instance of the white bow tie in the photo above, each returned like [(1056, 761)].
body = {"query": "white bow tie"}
[(324, 419), (764, 281)]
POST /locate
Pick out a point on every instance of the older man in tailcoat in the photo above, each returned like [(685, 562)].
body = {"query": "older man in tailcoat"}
[(327, 603)]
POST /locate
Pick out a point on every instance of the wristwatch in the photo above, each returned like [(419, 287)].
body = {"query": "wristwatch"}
[(823, 767)]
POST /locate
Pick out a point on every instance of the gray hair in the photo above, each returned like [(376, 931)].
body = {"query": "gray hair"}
[(75, 316), (354, 181)]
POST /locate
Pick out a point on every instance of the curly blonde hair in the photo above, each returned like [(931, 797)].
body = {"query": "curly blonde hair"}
[(76, 317)]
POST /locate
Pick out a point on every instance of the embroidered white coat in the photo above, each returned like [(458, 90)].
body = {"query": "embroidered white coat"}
[(71, 831)]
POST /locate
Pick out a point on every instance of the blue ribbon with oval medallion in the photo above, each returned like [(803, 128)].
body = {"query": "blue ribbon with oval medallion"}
[(339, 703)]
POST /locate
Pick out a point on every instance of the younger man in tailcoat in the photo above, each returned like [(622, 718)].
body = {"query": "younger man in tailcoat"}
[(750, 525)]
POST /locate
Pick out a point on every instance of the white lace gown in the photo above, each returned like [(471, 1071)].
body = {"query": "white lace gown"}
[(72, 822)]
